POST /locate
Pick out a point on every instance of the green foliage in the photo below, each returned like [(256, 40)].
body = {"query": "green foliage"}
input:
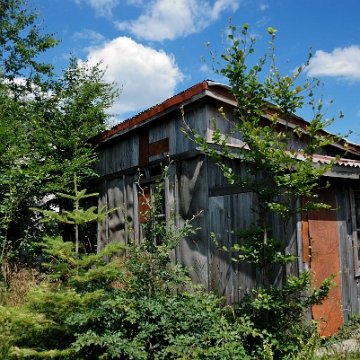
[(138, 306), (254, 252), (78, 216), (45, 122), (286, 331), (289, 171), (278, 159), (75, 112), (21, 42)]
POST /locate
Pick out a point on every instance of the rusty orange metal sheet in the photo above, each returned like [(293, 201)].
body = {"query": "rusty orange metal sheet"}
[(306, 254), (325, 260)]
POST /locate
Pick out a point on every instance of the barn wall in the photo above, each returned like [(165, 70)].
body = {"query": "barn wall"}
[(215, 121), (230, 210), (191, 198), (195, 118), (228, 278), (119, 155), (119, 193), (325, 260), (196, 184), (350, 286)]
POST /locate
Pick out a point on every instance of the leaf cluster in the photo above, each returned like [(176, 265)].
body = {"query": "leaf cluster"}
[(286, 331)]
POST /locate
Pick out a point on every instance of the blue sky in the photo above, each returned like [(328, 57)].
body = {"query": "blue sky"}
[(153, 48)]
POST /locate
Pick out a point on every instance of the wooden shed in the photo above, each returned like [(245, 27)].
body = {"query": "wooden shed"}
[(325, 241)]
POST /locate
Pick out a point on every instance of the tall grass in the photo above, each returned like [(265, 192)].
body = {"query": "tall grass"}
[(17, 281)]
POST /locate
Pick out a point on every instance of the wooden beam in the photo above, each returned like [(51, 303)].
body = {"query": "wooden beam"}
[(159, 147)]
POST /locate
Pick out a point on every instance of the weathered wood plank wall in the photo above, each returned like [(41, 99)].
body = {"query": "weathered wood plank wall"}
[(349, 282), (192, 197), (196, 184)]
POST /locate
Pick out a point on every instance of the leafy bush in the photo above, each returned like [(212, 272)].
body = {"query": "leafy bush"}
[(138, 306)]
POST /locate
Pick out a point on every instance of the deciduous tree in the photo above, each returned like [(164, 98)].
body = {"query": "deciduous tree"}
[(45, 121), (276, 173)]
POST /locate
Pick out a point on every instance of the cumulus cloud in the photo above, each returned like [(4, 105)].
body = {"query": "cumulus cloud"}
[(164, 19), (342, 62), (148, 76), (102, 7)]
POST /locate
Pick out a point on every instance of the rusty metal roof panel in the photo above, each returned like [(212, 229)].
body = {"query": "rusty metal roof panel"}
[(323, 159), (156, 109), (221, 92)]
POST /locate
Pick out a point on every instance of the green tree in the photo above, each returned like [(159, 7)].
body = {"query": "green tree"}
[(276, 173), (45, 122), (76, 110), (21, 42)]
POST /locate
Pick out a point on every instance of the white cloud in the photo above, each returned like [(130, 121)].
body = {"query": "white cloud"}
[(91, 35), (263, 6), (344, 63), (148, 76), (164, 19), (102, 7)]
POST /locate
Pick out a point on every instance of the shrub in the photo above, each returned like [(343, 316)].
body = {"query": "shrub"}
[(138, 306)]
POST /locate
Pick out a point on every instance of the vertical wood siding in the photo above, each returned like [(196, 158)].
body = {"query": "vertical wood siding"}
[(192, 197), (196, 183), (349, 283), (226, 214), (120, 224), (119, 156)]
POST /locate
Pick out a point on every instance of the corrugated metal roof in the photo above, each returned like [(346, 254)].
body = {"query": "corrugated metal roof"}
[(322, 159), (325, 159), (209, 87), (156, 109)]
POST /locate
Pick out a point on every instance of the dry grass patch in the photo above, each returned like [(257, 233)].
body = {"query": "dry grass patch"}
[(18, 280)]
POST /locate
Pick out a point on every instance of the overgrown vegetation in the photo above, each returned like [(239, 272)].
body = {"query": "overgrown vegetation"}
[(279, 175), (45, 121), (139, 305)]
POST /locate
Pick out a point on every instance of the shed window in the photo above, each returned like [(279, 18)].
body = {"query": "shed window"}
[(355, 210)]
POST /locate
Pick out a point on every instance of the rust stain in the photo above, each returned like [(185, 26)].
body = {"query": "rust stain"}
[(306, 252), (159, 147), (143, 148), (325, 261), (144, 199)]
